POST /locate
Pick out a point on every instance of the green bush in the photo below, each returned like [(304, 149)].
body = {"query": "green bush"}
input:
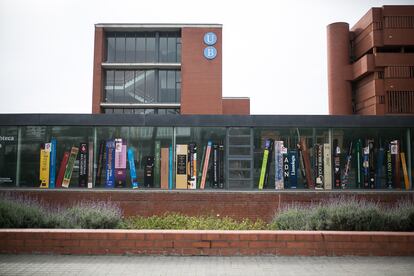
[(183, 222), (347, 214), (28, 213)]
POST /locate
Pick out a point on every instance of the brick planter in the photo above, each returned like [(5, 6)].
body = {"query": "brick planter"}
[(224, 243)]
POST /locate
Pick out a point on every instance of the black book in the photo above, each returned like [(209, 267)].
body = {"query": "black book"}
[(149, 171), (83, 165), (215, 164), (221, 166)]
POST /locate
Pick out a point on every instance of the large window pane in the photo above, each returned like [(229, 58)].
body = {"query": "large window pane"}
[(150, 48), (150, 87), (129, 87), (140, 86), (110, 47), (172, 49), (163, 53), (8, 156), (130, 47), (119, 87), (109, 86), (120, 47), (140, 48)]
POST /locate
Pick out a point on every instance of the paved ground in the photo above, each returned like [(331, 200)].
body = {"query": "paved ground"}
[(164, 265)]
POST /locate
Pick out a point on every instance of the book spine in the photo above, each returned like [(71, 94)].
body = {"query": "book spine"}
[(279, 165), (120, 162), (157, 163), (345, 177), (69, 167), (337, 164), (44, 165), (380, 163), (192, 166), (221, 166), (181, 171), (371, 165), (390, 184), (149, 172), (200, 170), (53, 164), (365, 166), (293, 169), (62, 169), (358, 160), (327, 164), (132, 170), (164, 168), (286, 170), (395, 152), (83, 165), (319, 167), (170, 169), (101, 163), (405, 171), (215, 166), (90, 166), (110, 164), (306, 160), (205, 165), (264, 164)]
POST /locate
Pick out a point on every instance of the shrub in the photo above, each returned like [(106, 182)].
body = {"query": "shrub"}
[(21, 213), (183, 222), (347, 214)]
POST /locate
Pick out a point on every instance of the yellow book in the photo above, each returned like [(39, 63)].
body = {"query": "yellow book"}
[(44, 165), (405, 172), (181, 167)]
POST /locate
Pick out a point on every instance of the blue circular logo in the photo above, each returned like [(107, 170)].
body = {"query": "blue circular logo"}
[(210, 38), (210, 52)]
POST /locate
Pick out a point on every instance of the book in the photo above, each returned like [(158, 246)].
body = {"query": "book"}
[(132, 170), (293, 168), (365, 166), (157, 163), (306, 162), (327, 166), (345, 177), (390, 184), (62, 169), (101, 163), (286, 169), (149, 171), (69, 167), (379, 165), (52, 172), (200, 170), (164, 167), (83, 165), (337, 164), (215, 163), (358, 163), (279, 165), (110, 164), (90, 166), (181, 167), (221, 166), (192, 166), (318, 155), (371, 162), (405, 172), (206, 164), (395, 154), (170, 168), (265, 162), (44, 165), (120, 162)]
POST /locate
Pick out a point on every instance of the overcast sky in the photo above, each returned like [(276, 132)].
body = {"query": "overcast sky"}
[(273, 51)]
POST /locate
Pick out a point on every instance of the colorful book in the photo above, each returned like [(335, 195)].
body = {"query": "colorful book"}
[(90, 165), (83, 165), (149, 171), (365, 166), (62, 169), (293, 168), (181, 167), (120, 162), (337, 164), (286, 169), (279, 165), (395, 154), (69, 167), (380, 164), (307, 164), (200, 170), (371, 163), (157, 163), (192, 166), (327, 166), (265, 161), (132, 170), (52, 172), (110, 164), (170, 168), (405, 171), (345, 177), (318, 155), (44, 165), (205, 165), (164, 167)]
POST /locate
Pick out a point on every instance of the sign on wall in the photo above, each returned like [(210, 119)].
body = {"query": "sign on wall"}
[(210, 39)]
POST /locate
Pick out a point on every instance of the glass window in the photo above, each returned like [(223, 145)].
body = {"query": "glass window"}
[(120, 47), (119, 89), (8, 156), (150, 87), (130, 87), (130, 47), (163, 49), (109, 86), (150, 48), (172, 49), (140, 86), (140, 47), (110, 46)]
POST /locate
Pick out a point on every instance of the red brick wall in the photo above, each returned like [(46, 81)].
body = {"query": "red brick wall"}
[(236, 106), (238, 205), (99, 50), (224, 243), (201, 90)]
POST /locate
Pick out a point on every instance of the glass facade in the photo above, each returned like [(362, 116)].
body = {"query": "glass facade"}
[(212, 156)]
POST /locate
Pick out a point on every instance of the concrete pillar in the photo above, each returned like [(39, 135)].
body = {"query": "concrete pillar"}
[(339, 89)]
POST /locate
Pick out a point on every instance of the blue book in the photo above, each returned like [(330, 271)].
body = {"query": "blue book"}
[(170, 169), (132, 170), (110, 164), (293, 168), (52, 164), (380, 162)]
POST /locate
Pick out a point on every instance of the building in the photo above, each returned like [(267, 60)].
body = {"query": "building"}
[(371, 65), (160, 69)]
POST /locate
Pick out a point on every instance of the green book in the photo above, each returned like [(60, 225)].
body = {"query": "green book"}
[(157, 164)]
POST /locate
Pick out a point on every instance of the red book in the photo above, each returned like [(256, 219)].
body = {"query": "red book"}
[(62, 169)]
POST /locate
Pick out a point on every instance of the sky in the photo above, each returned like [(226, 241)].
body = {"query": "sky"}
[(273, 51)]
